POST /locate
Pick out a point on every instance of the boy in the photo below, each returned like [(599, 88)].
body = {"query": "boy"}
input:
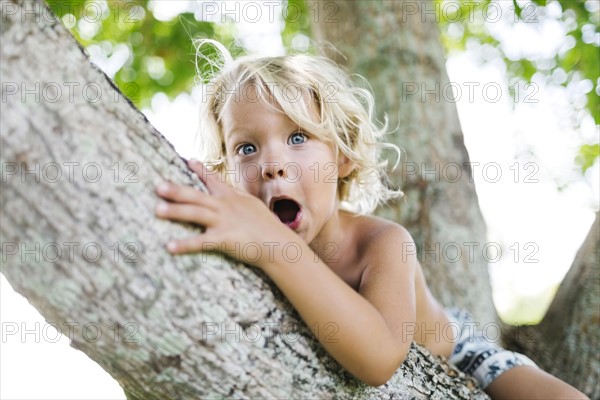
[(296, 144)]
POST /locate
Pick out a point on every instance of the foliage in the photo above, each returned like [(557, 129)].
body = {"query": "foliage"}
[(575, 64), (588, 153), (141, 53), (297, 26), (146, 55)]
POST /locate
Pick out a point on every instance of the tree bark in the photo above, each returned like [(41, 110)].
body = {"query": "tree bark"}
[(395, 45), (566, 342), (81, 243)]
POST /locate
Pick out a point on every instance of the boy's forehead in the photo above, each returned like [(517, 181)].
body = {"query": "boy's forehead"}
[(270, 94), (251, 106), (242, 117)]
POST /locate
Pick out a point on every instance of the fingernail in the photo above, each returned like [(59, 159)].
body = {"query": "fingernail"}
[(172, 246), (163, 187), (193, 161), (162, 207)]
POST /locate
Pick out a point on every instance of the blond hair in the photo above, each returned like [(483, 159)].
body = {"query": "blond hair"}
[(345, 114)]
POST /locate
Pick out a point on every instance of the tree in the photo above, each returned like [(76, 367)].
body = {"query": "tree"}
[(568, 334), (80, 241), (152, 59), (438, 210), (149, 304)]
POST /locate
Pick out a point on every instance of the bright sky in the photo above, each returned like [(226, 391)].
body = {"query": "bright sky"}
[(525, 217)]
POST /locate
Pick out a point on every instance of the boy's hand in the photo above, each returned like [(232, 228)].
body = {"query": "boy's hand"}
[(237, 223)]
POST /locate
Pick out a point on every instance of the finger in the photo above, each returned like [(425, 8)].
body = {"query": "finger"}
[(184, 194), (212, 179), (186, 213), (188, 245), (193, 244)]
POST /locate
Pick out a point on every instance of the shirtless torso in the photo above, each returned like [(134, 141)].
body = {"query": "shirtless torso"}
[(348, 261)]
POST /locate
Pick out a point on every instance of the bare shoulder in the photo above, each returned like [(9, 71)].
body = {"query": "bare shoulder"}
[(370, 247), (382, 247), (374, 234)]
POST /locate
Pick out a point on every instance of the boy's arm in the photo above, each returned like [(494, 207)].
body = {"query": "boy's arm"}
[(363, 331)]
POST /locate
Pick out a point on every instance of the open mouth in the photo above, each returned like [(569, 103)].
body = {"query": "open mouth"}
[(288, 212)]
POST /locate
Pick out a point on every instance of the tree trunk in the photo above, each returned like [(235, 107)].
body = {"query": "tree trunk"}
[(566, 342), (81, 243), (395, 45)]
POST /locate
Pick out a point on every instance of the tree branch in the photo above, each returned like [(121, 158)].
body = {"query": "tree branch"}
[(80, 241)]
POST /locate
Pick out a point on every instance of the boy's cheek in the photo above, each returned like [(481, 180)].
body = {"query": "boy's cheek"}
[(241, 182), (244, 175), (249, 174)]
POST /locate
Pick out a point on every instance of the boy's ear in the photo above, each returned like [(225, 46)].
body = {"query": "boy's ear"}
[(345, 166)]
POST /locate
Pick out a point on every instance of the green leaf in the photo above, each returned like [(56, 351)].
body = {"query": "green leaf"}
[(588, 153), (61, 7), (518, 8)]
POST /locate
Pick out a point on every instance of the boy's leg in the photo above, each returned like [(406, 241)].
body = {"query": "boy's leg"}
[(501, 373), (527, 382)]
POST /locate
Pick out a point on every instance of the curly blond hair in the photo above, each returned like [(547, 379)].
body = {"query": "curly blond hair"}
[(345, 114)]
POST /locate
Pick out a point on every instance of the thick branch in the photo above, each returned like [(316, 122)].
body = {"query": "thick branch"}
[(395, 45), (80, 241)]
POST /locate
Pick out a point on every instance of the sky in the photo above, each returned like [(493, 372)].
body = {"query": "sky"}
[(539, 227)]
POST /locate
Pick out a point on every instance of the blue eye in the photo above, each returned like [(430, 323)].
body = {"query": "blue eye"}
[(297, 138), (246, 149)]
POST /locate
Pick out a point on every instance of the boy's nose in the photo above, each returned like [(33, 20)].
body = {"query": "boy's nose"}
[(272, 170)]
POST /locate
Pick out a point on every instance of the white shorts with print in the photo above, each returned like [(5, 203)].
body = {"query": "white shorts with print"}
[(478, 356)]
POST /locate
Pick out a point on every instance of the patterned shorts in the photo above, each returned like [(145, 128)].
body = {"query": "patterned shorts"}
[(477, 355)]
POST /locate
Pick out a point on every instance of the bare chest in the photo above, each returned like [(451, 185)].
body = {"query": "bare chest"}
[(349, 269)]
